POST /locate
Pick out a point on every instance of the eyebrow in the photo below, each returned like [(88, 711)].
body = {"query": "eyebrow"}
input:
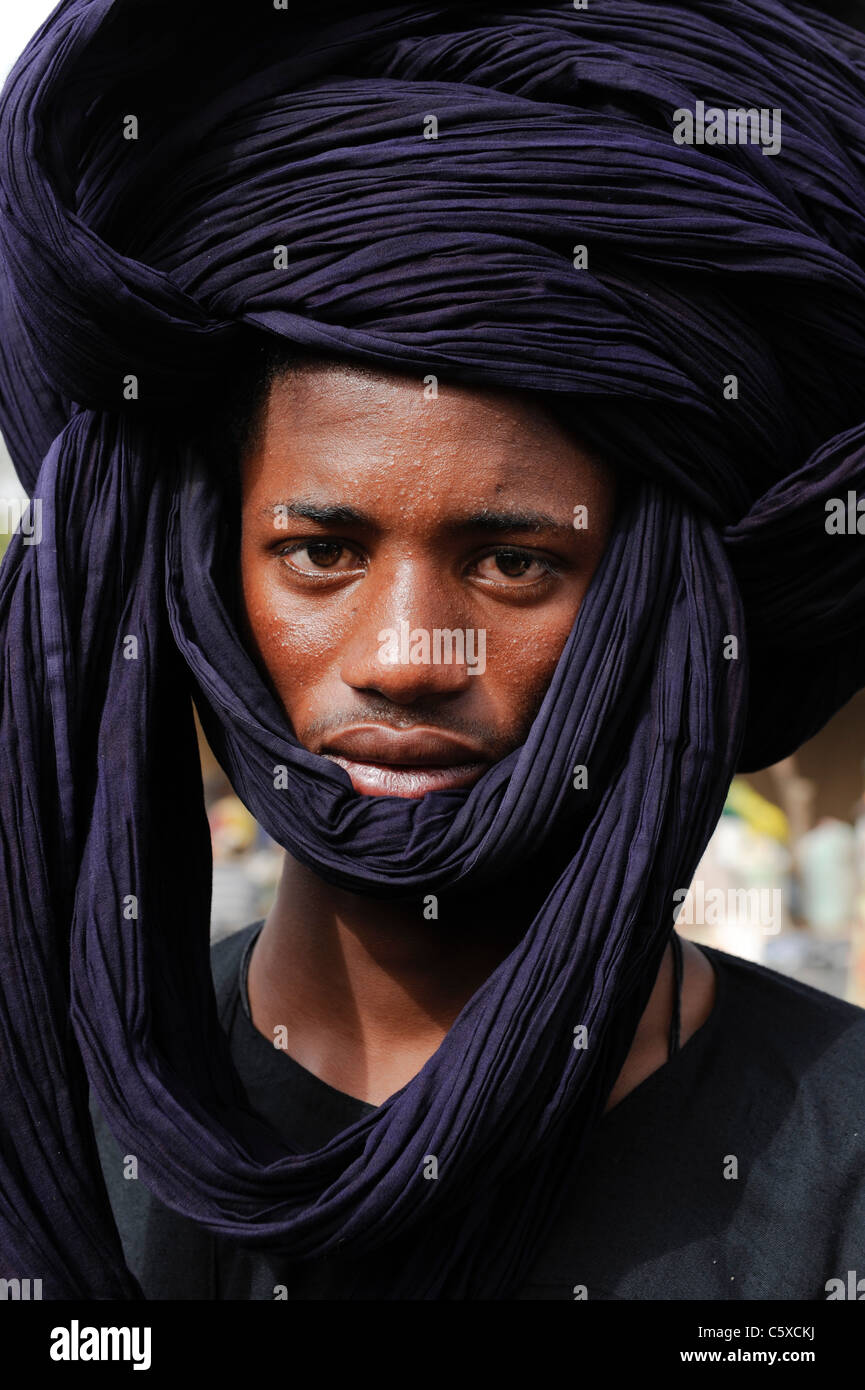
[(495, 522)]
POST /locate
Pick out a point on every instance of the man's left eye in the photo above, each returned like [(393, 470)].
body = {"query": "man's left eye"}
[(508, 563)]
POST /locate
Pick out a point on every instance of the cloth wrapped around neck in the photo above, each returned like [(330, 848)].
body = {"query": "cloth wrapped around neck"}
[(155, 259)]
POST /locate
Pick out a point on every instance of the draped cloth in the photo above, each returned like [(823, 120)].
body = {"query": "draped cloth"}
[(709, 342)]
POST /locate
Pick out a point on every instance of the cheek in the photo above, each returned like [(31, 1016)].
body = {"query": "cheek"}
[(522, 656), (524, 662), (295, 646)]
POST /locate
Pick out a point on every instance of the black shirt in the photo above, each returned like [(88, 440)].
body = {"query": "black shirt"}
[(734, 1171)]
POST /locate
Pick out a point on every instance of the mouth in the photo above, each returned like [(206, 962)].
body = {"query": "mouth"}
[(386, 762)]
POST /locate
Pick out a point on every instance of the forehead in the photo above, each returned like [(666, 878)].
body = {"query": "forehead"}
[(392, 438)]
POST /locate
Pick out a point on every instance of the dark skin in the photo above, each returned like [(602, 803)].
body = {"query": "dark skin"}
[(457, 513)]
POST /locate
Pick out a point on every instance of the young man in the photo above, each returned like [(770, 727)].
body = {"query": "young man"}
[(478, 1089), (370, 509)]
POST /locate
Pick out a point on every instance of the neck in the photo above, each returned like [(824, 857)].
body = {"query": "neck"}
[(366, 990)]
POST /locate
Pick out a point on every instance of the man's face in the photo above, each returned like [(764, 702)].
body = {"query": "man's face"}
[(411, 569)]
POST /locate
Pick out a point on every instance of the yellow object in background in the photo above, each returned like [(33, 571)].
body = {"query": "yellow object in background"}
[(232, 828), (761, 815)]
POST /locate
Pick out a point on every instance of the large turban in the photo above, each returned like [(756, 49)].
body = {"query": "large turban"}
[(179, 179)]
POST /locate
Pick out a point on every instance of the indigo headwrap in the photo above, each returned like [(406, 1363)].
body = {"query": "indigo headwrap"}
[(710, 342)]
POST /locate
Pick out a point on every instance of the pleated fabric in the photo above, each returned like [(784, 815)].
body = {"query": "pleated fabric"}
[(723, 626)]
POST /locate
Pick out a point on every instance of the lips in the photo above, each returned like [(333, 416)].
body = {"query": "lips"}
[(390, 762)]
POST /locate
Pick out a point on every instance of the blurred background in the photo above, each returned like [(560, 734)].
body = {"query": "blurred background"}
[(783, 878)]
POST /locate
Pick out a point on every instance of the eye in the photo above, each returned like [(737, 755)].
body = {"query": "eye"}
[(518, 566), (324, 556)]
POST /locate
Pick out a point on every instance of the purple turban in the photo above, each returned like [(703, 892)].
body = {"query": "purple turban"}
[(174, 182)]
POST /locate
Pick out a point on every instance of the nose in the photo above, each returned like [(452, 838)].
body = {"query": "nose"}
[(409, 638)]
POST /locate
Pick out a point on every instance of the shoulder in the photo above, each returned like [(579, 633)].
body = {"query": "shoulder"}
[(749, 978), (225, 957), (789, 1028)]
